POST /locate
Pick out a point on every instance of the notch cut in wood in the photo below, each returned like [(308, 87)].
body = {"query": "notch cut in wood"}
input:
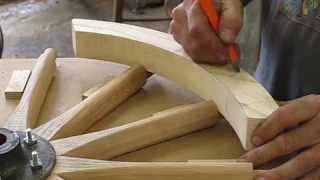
[(17, 84), (96, 87)]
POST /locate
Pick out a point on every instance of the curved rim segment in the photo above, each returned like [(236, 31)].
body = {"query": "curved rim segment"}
[(239, 98)]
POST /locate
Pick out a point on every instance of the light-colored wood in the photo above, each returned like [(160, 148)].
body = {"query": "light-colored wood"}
[(171, 109), (117, 141), (26, 114), (95, 88), (75, 75), (213, 160), (80, 118), (255, 172), (157, 95), (17, 84), (54, 177), (240, 99), (73, 169)]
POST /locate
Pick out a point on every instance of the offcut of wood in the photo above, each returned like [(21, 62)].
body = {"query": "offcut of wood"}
[(17, 84)]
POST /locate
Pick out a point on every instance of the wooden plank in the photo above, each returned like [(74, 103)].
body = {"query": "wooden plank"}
[(17, 84), (239, 97), (113, 142), (95, 88), (26, 114), (80, 169), (81, 117)]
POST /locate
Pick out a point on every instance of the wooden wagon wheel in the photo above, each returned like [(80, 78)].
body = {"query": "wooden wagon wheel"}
[(237, 96)]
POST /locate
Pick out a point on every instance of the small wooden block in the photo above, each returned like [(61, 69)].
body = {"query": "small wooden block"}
[(96, 87), (17, 84)]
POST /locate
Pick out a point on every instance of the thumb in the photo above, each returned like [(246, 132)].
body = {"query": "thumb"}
[(231, 20)]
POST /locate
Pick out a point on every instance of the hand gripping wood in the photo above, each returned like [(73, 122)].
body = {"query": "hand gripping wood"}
[(239, 98)]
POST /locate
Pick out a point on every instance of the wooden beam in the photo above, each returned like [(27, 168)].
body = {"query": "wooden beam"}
[(81, 117), (17, 84), (117, 141), (239, 97), (26, 114), (80, 169)]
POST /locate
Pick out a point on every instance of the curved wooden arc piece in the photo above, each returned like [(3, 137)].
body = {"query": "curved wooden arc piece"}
[(26, 114), (120, 140), (239, 98), (81, 117), (78, 169)]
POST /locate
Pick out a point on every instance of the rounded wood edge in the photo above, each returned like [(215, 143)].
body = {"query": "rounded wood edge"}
[(160, 54)]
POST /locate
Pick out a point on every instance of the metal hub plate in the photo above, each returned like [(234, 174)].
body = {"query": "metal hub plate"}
[(15, 157)]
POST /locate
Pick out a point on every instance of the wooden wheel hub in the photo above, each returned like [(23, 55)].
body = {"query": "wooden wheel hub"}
[(86, 154)]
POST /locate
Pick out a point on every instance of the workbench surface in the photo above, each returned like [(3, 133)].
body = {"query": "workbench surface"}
[(75, 76)]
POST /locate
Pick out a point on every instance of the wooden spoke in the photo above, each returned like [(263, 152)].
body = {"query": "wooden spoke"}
[(78, 119), (239, 98), (26, 114), (255, 172), (66, 164), (113, 142), (70, 169)]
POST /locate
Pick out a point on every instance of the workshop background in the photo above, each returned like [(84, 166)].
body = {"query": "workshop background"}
[(31, 26)]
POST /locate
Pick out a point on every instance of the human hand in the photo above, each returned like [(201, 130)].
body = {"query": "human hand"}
[(301, 120), (191, 28)]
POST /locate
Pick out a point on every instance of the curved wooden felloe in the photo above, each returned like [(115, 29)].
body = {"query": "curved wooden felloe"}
[(239, 98)]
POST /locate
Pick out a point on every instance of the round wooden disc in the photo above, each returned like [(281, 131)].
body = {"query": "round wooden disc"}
[(75, 76)]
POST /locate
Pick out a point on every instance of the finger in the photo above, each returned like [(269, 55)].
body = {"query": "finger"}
[(203, 35), (286, 143), (285, 117), (314, 175), (282, 103), (179, 14), (297, 167), (231, 20)]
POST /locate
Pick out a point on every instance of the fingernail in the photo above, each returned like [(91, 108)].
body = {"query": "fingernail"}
[(227, 36), (256, 141), (243, 159)]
